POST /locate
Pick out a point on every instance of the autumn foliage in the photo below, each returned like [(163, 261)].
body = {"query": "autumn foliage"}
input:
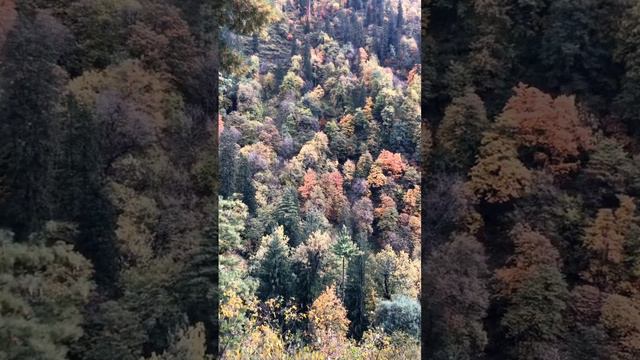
[(530, 149), (321, 185), (550, 128)]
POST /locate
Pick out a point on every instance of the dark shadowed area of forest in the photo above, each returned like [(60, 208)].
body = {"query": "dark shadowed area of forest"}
[(108, 183), (531, 229)]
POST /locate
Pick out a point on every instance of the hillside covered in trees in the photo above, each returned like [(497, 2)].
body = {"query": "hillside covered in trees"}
[(108, 176), (320, 184), (532, 179)]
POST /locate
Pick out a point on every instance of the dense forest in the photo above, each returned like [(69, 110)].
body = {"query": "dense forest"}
[(108, 183), (320, 184), (532, 175), (244, 179)]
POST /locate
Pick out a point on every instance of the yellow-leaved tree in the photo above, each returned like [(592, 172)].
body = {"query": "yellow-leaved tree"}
[(607, 238), (329, 324), (498, 176)]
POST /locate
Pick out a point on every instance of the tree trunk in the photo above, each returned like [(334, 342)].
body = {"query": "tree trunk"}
[(343, 284)]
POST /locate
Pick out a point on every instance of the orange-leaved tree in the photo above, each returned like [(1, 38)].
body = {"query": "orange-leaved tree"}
[(549, 130)]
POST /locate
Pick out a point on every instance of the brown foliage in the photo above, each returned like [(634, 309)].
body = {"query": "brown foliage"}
[(499, 176), (162, 39), (550, 128), (8, 17), (532, 251), (621, 318), (606, 238)]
